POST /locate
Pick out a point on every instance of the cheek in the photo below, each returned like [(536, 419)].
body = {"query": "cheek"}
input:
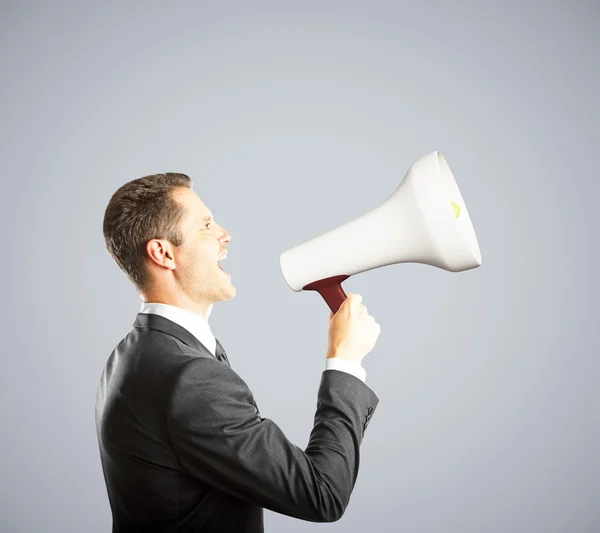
[(203, 256), (190, 257)]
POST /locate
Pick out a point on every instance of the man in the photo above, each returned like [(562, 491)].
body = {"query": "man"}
[(182, 443)]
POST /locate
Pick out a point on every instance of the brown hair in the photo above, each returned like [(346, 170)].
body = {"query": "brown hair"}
[(141, 210)]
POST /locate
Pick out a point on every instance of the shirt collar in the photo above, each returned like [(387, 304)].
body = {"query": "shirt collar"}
[(194, 323)]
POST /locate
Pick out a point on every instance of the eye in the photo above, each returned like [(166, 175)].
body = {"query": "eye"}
[(207, 224)]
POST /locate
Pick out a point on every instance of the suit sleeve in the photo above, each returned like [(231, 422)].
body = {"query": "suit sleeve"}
[(220, 438)]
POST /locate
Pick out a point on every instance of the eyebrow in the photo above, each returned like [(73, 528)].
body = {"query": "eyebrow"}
[(207, 218)]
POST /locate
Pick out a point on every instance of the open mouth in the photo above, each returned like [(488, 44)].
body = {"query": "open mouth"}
[(223, 257)]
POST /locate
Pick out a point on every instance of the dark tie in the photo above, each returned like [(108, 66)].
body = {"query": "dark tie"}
[(220, 354)]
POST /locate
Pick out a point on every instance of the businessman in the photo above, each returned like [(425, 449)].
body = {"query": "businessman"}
[(182, 443)]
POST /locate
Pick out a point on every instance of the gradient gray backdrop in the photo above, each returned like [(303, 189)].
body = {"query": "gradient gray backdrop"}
[(488, 379)]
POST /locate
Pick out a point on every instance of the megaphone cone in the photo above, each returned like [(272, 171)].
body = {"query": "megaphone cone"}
[(424, 221)]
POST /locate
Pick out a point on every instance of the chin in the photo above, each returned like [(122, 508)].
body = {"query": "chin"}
[(229, 292)]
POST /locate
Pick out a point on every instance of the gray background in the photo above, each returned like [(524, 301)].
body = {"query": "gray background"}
[(488, 418)]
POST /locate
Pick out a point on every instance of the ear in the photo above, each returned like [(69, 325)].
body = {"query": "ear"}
[(160, 253)]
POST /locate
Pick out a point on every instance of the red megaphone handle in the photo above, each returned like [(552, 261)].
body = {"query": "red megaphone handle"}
[(331, 291)]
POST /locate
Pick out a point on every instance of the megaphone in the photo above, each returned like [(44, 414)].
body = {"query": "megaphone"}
[(424, 221)]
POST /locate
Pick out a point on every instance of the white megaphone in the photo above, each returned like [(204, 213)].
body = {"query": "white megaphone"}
[(425, 221)]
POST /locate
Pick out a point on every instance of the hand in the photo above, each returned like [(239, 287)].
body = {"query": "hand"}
[(352, 331)]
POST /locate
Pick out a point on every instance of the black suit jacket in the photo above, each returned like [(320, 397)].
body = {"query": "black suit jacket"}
[(184, 448)]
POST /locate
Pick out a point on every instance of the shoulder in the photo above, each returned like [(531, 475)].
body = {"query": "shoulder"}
[(208, 388), (208, 377)]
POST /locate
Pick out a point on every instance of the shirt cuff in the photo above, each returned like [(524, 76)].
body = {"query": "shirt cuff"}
[(352, 367)]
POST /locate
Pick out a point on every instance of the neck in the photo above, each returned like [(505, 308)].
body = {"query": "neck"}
[(182, 301)]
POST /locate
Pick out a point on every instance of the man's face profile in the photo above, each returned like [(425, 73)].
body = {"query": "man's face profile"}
[(194, 264)]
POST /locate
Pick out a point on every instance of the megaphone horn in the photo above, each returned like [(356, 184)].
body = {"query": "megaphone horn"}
[(424, 221)]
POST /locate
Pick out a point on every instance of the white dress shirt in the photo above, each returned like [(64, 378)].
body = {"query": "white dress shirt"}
[(199, 327)]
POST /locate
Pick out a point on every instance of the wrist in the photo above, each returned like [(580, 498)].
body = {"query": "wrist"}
[(346, 365)]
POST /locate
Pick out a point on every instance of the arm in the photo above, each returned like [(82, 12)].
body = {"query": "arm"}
[(220, 439)]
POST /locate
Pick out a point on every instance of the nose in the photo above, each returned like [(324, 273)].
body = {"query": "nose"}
[(226, 237)]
